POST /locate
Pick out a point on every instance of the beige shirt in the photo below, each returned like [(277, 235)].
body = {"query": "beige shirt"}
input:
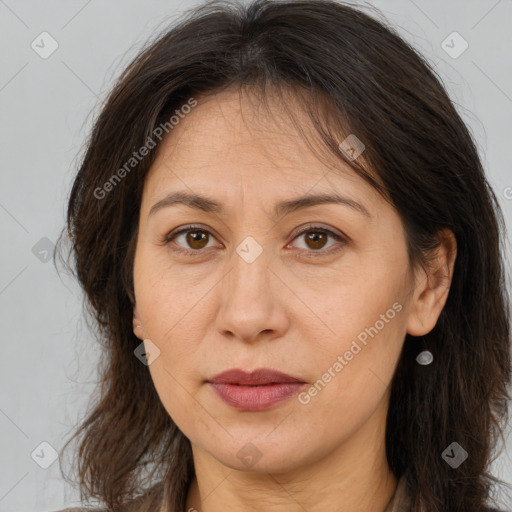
[(400, 502)]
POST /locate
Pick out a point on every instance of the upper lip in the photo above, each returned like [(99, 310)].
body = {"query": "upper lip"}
[(260, 376)]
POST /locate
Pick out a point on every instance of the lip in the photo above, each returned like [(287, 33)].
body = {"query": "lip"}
[(254, 391), (259, 377)]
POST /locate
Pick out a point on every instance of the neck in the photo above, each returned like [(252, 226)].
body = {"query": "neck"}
[(354, 477)]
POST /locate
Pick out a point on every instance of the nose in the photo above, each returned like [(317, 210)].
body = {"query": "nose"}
[(252, 299)]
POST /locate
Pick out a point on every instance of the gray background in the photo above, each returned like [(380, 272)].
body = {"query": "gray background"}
[(48, 360)]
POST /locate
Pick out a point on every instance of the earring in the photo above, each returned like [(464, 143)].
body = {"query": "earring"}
[(424, 358), (142, 330)]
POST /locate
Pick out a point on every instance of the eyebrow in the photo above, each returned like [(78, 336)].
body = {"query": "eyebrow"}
[(209, 205)]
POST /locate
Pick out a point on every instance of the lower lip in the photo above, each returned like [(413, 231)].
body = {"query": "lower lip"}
[(256, 398)]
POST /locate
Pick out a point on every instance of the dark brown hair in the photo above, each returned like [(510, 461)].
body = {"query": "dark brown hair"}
[(355, 75)]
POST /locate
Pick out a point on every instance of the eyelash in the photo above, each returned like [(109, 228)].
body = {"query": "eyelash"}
[(312, 253)]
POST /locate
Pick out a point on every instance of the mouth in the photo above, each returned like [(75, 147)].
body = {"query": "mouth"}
[(259, 377), (259, 390)]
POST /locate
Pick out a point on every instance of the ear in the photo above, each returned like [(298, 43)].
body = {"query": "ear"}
[(136, 323), (432, 286)]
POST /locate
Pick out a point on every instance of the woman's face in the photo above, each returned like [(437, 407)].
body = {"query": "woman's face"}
[(256, 292)]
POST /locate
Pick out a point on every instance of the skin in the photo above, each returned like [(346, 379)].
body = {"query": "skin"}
[(215, 311)]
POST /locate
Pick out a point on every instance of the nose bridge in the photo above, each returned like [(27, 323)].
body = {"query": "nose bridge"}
[(249, 277), (247, 304)]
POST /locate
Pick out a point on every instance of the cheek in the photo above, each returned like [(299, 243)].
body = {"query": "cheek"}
[(358, 360), (169, 299), (173, 390)]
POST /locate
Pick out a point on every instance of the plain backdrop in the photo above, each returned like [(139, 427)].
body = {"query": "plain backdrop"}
[(48, 363)]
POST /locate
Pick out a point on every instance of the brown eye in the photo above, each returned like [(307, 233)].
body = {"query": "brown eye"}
[(189, 240), (316, 239), (196, 239)]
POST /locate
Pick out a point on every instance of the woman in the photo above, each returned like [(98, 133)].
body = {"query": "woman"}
[(285, 234)]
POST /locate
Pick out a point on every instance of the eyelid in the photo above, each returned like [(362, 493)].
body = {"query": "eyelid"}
[(315, 226)]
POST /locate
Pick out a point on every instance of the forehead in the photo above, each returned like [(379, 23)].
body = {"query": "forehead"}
[(231, 136)]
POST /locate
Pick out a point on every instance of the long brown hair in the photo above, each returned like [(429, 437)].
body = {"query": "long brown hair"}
[(355, 75)]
